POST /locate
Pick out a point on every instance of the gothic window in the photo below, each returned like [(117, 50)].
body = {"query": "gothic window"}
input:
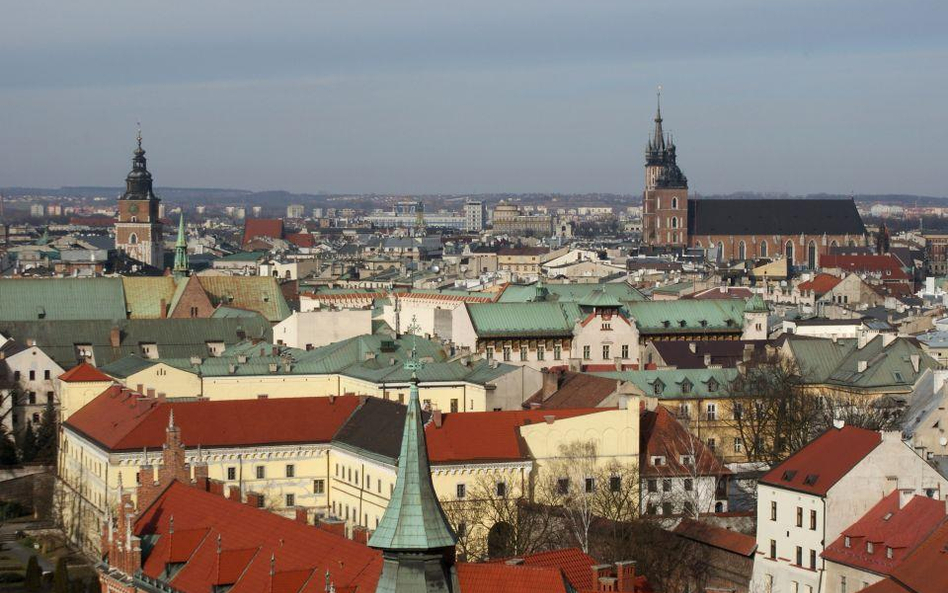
[(788, 252), (741, 251), (674, 203), (133, 239), (811, 255), (720, 251), (834, 244), (674, 221), (763, 248)]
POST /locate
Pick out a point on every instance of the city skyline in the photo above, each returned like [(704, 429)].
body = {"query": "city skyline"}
[(430, 99)]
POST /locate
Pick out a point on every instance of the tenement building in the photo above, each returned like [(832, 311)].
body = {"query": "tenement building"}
[(800, 230)]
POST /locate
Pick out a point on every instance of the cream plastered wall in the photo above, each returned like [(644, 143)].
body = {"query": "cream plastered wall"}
[(171, 381), (75, 394)]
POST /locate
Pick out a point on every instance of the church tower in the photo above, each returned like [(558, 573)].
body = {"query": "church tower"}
[(665, 200), (416, 540), (138, 229)]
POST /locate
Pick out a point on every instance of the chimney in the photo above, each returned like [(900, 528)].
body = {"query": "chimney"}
[(748, 352), (302, 515), (163, 309), (549, 418), (600, 572), (161, 397), (436, 418), (233, 493), (905, 496), (707, 360), (551, 382), (115, 337), (150, 392), (336, 526), (360, 534), (625, 571), (255, 500), (140, 388)]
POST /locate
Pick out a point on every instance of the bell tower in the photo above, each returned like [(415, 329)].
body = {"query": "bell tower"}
[(665, 200), (138, 230)]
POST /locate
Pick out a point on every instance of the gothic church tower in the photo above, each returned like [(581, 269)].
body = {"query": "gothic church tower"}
[(665, 200), (138, 231)]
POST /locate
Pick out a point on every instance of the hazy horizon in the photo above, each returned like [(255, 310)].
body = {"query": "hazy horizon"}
[(423, 98)]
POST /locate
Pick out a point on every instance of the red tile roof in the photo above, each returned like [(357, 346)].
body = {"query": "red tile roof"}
[(248, 536), (889, 267), (84, 373), (924, 571), (262, 227), (575, 564), (660, 434), (122, 420), (483, 436), (302, 239), (887, 526), (504, 578), (718, 537), (816, 467), (820, 284)]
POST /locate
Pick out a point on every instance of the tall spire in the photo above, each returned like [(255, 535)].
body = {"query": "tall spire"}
[(658, 136), (181, 249), (416, 540)]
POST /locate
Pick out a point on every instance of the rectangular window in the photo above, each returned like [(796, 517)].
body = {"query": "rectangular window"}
[(666, 485), (590, 485), (812, 559), (490, 355), (261, 472), (231, 473), (290, 470), (653, 485), (557, 352), (712, 411), (501, 489), (506, 353), (587, 352), (605, 351), (454, 404), (773, 549), (541, 352), (666, 508), (712, 444), (773, 510), (319, 486), (812, 520), (562, 486), (615, 483), (290, 500), (738, 445), (46, 374), (799, 518), (799, 556), (842, 584), (625, 351), (689, 485), (461, 490)]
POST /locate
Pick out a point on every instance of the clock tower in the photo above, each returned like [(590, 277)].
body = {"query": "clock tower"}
[(138, 228)]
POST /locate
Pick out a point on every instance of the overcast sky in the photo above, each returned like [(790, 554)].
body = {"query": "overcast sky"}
[(403, 96)]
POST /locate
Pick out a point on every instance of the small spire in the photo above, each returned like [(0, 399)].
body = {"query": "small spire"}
[(658, 112), (139, 138), (171, 419)]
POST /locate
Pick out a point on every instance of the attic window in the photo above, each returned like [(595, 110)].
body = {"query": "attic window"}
[(658, 460), (704, 323), (666, 323), (686, 386), (729, 323), (789, 475), (712, 385), (658, 387), (811, 479), (847, 542), (898, 377), (887, 517), (682, 323)]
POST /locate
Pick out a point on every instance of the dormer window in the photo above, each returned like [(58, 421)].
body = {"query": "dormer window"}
[(682, 323), (712, 385), (658, 460), (704, 323), (666, 323), (687, 460), (847, 542), (686, 386), (658, 387), (888, 552), (870, 548)]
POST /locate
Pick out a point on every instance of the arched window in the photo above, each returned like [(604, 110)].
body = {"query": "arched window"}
[(658, 222), (133, 238), (741, 251), (674, 203), (834, 244), (698, 244), (811, 255), (763, 248), (720, 251), (674, 222), (788, 252), (852, 243)]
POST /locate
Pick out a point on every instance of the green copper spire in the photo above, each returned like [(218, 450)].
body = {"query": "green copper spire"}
[(181, 250), (414, 520)]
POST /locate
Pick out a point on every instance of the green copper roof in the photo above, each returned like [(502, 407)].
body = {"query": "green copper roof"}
[(687, 315), (414, 519), (27, 299), (523, 319), (756, 304), (600, 299), (678, 383)]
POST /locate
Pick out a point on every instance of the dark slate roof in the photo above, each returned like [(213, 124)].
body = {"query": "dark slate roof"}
[(773, 217), (375, 428)]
